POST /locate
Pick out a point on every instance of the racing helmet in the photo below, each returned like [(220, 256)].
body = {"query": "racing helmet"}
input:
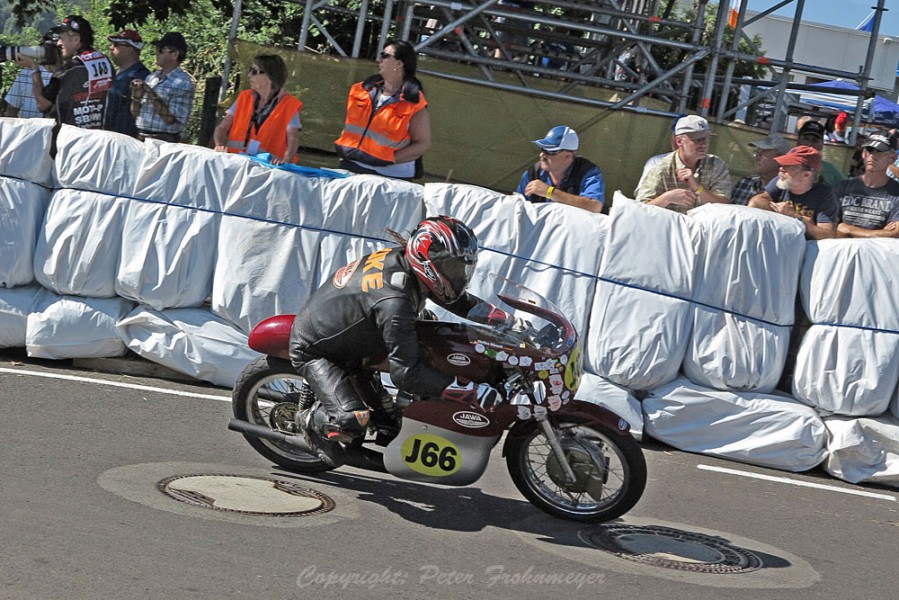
[(443, 252)]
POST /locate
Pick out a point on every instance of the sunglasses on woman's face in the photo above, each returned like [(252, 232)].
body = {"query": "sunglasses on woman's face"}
[(386, 55)]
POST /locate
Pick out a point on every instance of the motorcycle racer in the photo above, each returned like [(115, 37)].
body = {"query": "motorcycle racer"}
[(368, 308)]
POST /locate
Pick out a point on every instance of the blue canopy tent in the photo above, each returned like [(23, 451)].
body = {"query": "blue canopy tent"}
[(877, 110)]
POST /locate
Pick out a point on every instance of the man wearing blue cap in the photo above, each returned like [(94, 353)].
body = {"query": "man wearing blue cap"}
[(561, 175)]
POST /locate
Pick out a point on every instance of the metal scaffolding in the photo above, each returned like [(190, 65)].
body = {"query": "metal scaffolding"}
[(554, 48)]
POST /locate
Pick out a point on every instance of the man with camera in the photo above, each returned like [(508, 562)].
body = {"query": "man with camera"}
[(20, 100), (76, 94)]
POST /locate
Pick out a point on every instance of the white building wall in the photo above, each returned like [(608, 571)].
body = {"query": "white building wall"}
[(828, 46)]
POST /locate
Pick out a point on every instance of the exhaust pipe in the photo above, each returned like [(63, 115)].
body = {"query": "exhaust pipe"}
[(361, 458), (269, 434)]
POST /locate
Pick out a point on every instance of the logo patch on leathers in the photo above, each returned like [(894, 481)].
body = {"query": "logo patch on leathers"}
[(343, 274), (362, 416)]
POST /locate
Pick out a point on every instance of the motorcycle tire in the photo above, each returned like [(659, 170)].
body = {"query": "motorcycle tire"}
[(611, 470), (265, 384)]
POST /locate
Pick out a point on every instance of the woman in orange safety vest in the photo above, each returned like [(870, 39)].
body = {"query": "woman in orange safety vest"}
[(265, 118), (387, 125)]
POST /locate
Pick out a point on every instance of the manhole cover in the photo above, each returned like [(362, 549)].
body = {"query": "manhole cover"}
[(246, 495), (671, 549)]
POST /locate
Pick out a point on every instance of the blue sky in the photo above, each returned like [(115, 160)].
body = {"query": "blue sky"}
[(843, 13)]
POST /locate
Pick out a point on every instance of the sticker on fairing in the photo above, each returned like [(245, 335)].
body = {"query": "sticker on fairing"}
[(458, 359), (431, 455)]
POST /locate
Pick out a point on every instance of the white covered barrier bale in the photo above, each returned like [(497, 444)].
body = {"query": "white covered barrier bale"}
[(283, 234), (759, 429), (15, 306), (551, 248), (61, 327), (25, 149), (167, 255), (192, 341), (171, 226), (641, 316), (79, 244), (863, 450), (97, 161), (25, 178), (616, 398), (848, 363), (22, 207), (746, 282)]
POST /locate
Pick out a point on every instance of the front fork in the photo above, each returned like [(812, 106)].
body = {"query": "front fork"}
[(552, 437)]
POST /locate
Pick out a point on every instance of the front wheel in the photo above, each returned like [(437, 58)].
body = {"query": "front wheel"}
[(269, 393), (610, 470)]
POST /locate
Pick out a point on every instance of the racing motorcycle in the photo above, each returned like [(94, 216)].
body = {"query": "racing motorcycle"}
[(570, 457)]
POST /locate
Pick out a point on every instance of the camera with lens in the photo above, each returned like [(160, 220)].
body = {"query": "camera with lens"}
[(46, 53)]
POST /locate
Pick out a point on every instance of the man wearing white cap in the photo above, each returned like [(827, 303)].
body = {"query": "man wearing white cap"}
[(869, 203), (766, 168), (125, 53), (689, 176), (561, 175)]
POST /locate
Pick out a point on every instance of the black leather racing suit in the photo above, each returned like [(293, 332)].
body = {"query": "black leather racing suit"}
[(367, 309)]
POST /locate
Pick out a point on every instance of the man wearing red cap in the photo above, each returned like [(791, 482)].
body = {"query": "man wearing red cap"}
[(798, 193), (125, 53)]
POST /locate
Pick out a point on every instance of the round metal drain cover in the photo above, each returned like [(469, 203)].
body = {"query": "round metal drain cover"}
[(672, 549), (246, 495)]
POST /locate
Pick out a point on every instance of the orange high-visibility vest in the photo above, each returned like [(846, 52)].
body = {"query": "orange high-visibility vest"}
[(272, 136), (372, 137)]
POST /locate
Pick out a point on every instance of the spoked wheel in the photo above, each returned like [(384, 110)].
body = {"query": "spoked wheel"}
[(269, 392), (610, 471)]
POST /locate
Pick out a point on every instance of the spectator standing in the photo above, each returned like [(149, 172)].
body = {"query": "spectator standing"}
[(76, 93), (387, 127), (689, 176), (766, 168), (125, 53), (798, 193), (561, 175), (265, 118), (162, 102), (20, 100), (869, 204), (812, 134)]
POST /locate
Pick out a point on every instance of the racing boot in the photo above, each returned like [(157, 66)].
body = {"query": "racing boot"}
[(321, 436)]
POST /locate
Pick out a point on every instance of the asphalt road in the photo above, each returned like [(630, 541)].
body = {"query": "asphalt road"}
[(83, 517)]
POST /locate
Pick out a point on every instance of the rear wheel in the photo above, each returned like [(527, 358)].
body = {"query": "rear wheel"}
[(610, 470), (269, 392)]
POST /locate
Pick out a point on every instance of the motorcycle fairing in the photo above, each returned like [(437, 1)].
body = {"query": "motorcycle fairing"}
[(424, 452)]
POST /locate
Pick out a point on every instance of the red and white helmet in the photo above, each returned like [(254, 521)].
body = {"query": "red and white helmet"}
[(443, 252)]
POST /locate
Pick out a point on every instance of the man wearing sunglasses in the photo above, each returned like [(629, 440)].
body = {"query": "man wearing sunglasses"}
[(869, 203), (125, 53), (561, 175), (161, 103), (689, 176)]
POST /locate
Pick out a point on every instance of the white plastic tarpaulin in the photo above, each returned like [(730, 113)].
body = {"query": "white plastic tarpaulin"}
[(744, 292), (25, 176), (759, 429), (15, 306), (642, 314), (62, 327), (192, 341), (863, 450), (616, 398), (848, 362)]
